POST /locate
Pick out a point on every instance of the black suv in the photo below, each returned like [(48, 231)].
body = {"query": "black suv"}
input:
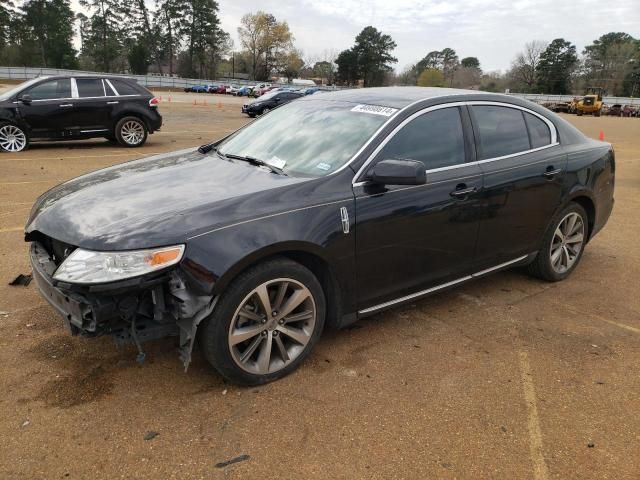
[(80, 107)]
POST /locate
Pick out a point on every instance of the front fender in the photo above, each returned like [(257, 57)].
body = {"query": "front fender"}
[(214, 259)]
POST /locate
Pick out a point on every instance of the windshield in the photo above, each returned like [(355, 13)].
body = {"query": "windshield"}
[(309, 137), (10, 93)]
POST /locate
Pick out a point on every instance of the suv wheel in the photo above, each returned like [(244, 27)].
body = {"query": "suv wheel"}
[(563, 245), (265, 324), (131, 132), (12, 138)]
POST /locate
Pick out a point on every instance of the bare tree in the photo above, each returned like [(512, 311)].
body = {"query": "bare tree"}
[(523, 68)]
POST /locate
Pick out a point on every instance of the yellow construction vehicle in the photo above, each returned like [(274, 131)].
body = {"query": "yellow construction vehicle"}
[(591, 103)]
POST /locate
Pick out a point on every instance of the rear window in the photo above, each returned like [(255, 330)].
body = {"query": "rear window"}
[(123, 87), (538, 131), (502, 131), (90, 87)]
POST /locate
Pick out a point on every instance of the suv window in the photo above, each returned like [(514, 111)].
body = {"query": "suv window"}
[(90, 87), (123, 87), (502, 131), (60, 88), (435, 139), (539, 132)]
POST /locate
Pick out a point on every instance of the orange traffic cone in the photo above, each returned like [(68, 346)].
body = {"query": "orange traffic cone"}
[(169, 98), (195, 102), (219, 105), (601, 136), (160, 98)]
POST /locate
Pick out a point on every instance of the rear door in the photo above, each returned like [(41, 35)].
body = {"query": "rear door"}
[(523, 167), (409, 238), (91, 110), (51, 111)]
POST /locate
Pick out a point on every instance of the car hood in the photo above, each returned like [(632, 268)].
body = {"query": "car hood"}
[(157, 201)]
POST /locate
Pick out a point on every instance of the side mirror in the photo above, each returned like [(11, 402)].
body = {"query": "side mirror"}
[(26, 99), (398, 172), (277, 99)]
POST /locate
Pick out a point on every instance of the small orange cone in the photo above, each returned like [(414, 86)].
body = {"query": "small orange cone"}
[(601, 136), (160, 99), (219, 105), (169, 98), (195, 102)]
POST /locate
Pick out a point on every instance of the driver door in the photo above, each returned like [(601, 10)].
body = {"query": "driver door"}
[(411, 238), (50, 112)]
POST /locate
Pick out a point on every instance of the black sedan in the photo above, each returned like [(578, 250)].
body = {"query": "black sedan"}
[(269, 101), (76, 108), (316, 215)]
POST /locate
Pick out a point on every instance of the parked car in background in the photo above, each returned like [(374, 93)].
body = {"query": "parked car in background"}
[(615, 110), (310, 91), (268, 102), (231, 89), (243, 91), (261, 89), (325, 211), (629, 111), (200, 88), (78, 107)]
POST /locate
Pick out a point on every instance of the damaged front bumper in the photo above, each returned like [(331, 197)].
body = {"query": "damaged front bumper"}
[(132, 311)]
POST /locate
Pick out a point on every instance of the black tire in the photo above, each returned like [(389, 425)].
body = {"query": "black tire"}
[(7, 130), (579, 113), (214, 331), (123, 130), (541, 267), (252, 115)]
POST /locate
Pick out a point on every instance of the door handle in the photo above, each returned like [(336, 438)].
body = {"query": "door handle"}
[(112, 103), (66, 105), (551, 172), (463, 192)]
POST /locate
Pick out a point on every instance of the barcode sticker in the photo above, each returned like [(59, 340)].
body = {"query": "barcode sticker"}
[(375, 110)]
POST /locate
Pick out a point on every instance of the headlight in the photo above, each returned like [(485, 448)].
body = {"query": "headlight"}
[(86, 266)]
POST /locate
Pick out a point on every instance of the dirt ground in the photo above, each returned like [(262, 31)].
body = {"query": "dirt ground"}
[(506, 377)]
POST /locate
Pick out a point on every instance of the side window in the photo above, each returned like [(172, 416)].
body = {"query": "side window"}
[(435, 139), (53, 89), (538, 131), (123, 87), (90, 87), (502, 131)]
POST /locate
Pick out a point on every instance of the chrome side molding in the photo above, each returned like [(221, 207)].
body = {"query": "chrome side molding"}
[(439, 287)]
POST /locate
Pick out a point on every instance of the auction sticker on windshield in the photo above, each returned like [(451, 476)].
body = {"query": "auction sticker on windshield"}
[(375, 109)]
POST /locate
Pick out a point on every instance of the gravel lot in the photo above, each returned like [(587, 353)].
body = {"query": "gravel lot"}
[(506, 377)]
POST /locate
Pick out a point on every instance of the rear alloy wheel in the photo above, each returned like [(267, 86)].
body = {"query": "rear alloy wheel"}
[(265, 323), (563, 245), (131, 132), (12, 138)]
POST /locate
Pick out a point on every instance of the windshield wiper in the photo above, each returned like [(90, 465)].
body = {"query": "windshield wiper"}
[(257, 162)]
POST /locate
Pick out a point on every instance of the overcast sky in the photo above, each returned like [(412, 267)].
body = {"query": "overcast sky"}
[(492, 30)]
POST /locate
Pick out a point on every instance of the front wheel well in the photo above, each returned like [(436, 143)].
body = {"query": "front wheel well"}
[(322, 271)]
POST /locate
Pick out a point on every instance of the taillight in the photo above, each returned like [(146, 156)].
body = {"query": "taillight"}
[(153, 102)]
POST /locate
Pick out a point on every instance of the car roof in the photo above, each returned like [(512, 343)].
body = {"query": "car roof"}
[(398, 97), (85, 75)]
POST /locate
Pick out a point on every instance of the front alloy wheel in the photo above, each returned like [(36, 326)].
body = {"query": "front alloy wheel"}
[(265, 323), (12, 138), (272, 326)]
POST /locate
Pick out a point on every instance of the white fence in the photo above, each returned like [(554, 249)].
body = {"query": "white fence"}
[(151, 81), (541, 98)]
